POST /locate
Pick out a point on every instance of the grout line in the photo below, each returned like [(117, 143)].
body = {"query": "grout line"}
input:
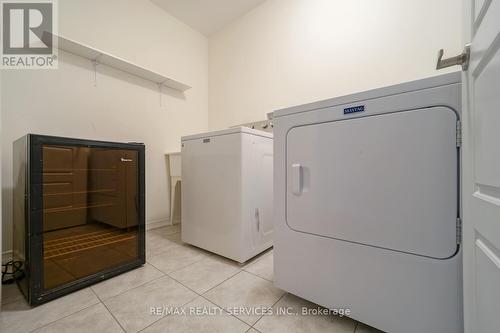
[(148, 255), (205, 255), (162, 251), (109, 311), (218, 284), (127, 290), (258, 257), (225, 311), (254, 274), (195, 292), (202, 295), (168, 315), (260, 277), (167, 273), (272, 306), (240, 271), (180, 306), (220, 306), (251, 326), (52, 322)]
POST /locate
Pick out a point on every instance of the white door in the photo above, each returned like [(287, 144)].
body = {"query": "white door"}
[(481, 172)]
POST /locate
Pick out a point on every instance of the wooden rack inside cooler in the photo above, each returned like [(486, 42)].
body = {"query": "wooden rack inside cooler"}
[(71, 244)]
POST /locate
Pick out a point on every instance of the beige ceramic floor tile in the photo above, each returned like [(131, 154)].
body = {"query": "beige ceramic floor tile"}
[(93, 319), (176, 238), (257, 258), (176, 258), (133, 309), (167, 230), (126, 281), (295, 322), (19, 317), (157, 244), (246, 291), (11, 293), (205, 274), (200, 316), (362, 328), (262, 267), (225, 260)]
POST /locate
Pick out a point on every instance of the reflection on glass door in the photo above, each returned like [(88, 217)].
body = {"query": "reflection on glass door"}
[(90, 211)]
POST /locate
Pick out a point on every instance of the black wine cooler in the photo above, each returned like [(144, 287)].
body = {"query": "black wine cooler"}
[(79, 209)]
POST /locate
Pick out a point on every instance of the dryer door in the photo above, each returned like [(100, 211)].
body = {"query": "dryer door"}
[(387, 180)]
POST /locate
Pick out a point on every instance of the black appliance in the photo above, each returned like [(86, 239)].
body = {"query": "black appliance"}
[(79, 210)]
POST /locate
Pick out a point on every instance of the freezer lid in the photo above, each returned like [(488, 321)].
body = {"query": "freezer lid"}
[(232, 130), (389, 181)]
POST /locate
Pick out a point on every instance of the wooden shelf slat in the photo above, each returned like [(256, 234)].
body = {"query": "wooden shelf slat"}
[(80, 192), (70, 208), (86, 242)]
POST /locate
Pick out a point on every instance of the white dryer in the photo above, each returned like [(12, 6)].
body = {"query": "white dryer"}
[(227, 192), (367, 207)]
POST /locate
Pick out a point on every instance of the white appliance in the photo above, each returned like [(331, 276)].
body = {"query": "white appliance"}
[(367, 207), (227, 192)]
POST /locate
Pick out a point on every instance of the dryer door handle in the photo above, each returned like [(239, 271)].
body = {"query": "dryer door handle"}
[(296, 179)]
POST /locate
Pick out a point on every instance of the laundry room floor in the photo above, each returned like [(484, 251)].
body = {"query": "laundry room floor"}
[(180, 289)]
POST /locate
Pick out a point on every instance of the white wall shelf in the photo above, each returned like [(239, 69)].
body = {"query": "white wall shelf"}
[(100, 57)]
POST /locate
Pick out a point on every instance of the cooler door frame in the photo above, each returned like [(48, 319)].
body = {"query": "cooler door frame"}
[(34, 236)]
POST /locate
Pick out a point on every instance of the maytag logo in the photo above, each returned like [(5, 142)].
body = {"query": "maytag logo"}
[(28, 29), (354, 109)]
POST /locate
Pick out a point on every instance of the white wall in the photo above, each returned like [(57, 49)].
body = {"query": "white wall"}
[(289, 52), (121, 107), (283, 53)]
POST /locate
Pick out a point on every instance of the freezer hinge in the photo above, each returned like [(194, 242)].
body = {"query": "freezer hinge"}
[(459, 133), (459, 230)]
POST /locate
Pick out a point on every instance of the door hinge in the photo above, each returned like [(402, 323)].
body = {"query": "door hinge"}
[(459, 133), (459, 230)]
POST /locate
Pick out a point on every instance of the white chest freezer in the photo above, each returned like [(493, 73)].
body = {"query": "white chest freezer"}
[(367, 209), (227, 192)]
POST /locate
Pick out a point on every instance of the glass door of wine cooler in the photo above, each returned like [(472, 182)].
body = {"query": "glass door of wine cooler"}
[(90, 211)]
